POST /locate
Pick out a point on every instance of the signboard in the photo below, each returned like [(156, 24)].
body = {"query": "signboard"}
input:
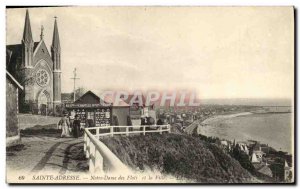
[(72, 105), (82, 116), (103, 116), (100, 115)]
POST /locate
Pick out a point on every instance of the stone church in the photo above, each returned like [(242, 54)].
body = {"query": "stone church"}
[(38, 70)]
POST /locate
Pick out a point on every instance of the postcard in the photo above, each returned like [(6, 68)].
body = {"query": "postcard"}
[(150, 94)]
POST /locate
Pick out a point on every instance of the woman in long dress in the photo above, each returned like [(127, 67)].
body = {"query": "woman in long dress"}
[(76, 127), (65, 124), (71, 118)]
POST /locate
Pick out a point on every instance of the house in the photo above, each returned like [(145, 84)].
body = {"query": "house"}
[(254, 159), (95, 112), (12, 110), (226, 145), (263, 168), (287, 171), (257, 151), (139, 109), (243, 147), (89, 107), (121, 112), (265, 148)]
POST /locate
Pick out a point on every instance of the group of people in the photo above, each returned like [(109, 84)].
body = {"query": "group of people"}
[(69, 125)]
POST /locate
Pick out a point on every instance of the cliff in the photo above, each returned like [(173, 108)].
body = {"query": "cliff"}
[(183, 156)]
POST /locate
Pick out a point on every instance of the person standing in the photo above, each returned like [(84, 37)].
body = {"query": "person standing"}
[(65, 124), (72, 117), (159, 122), (76, 126)]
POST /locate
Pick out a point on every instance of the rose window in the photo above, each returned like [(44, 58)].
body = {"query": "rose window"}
[(42, 77)]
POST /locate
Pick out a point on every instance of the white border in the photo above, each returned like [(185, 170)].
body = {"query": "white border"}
[(3, 3)]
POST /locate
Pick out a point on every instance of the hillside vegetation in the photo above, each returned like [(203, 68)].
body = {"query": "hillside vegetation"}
[(29, 120), (182, 156)]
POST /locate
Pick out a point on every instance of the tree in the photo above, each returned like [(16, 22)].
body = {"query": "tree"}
[(59, 109), (277, 168), (242, 158), (290, 177)]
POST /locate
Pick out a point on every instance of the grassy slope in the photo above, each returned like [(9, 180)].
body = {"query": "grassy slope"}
[(29, 120), (180, 155)]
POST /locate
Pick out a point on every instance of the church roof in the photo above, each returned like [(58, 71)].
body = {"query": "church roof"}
[(13, 54)]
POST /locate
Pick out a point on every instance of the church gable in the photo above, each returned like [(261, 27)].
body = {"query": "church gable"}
[(31, 64), (41, 52)]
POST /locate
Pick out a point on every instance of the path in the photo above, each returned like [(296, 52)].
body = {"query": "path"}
[(43, 154), (192, 128)]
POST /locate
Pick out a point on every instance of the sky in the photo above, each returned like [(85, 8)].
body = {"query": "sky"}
[(218, 52)]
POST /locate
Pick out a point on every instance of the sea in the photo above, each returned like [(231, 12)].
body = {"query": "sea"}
[(274, 129)]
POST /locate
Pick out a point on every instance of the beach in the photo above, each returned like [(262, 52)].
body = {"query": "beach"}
[(223, 117), (274, 129)]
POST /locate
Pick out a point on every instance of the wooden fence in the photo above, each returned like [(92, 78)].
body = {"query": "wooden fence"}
[(100, 157)]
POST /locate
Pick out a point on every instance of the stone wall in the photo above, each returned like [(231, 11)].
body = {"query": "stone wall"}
[(12, 128)]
